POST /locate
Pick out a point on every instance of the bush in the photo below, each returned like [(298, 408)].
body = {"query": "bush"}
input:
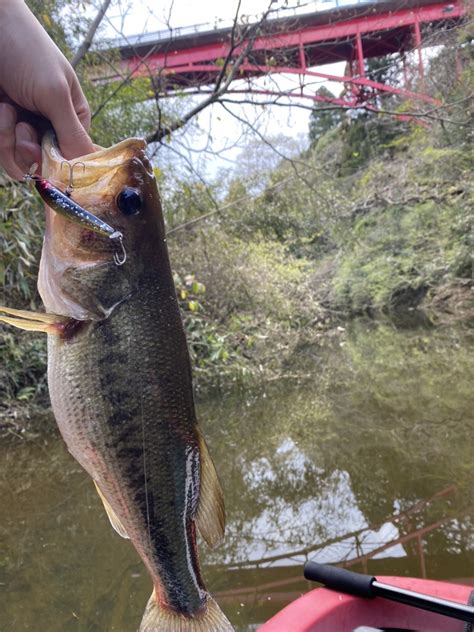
[(247, 298)]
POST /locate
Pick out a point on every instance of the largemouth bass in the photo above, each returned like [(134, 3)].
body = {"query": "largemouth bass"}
[(120, 379)]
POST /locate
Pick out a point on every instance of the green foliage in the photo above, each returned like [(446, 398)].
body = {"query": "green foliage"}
[(21, 216), (48, 13), (364, 133), (417, 235), (127, 112), (251, 300), (398, 221), (323, 118), (366, 137), (23, 355), (295, 210), (208, 347), (382, 69), (22, 371), (186, 201)]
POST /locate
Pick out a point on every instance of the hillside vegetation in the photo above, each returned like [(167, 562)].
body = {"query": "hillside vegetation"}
[(375, 219)]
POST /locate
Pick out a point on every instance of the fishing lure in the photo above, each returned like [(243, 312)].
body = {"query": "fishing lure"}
[(63, 204)]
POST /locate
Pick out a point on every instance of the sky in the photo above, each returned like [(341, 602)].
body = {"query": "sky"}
[(217, 143), (155, 15)]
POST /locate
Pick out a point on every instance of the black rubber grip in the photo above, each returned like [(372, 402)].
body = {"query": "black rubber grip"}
[(340, 579)]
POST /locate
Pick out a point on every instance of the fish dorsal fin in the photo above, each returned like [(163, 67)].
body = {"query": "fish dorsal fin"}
[(210, 513), (114, 521)]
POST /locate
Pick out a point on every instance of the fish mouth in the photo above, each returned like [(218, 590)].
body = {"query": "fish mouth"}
[(89, 185), (88, 169)]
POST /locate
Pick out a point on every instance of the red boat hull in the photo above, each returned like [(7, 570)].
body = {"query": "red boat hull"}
[(324, 610)]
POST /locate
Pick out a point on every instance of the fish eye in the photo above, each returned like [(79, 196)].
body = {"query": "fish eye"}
[(129, 201)]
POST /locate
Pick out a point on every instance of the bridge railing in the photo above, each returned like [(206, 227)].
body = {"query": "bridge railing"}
[(304, 8)]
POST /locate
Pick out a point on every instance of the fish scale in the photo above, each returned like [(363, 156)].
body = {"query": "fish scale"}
[(112, 457), (120, 380)]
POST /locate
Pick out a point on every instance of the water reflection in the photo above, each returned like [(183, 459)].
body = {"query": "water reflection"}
[(367, 462)]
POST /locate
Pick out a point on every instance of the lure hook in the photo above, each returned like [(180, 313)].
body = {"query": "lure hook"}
[(30, 176), (119, 257), (70, 186)]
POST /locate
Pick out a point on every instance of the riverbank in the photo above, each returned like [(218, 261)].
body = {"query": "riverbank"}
[(299, 358)]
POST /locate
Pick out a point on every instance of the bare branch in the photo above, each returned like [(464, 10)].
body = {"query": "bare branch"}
[(125, 81), (294, 162), (86, 44), (429, 114), (220, 89), (194, 172), (224, 207), (233, 45)]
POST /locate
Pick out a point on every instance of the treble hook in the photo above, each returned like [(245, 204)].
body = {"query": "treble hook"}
[(70, 186), (119, 258)]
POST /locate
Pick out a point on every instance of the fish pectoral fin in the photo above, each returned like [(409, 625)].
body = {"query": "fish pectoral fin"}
[(210, 513), (33, 321), (114, 521)]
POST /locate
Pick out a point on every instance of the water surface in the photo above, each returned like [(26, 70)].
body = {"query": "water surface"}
[(366, 459)]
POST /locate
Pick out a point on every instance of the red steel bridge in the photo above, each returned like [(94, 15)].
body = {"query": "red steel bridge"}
[(299, 44)]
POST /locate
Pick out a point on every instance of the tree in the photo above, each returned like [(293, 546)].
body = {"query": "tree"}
[(323, 117)]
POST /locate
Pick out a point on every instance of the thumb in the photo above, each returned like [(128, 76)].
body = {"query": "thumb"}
[(73, 139)]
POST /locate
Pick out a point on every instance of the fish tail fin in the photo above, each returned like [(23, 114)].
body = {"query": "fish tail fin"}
[(158, 619)]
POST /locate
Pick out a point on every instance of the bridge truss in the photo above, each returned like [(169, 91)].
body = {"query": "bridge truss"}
[(299, 46)]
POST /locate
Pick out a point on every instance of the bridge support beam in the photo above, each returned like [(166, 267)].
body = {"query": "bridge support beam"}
[(418, 45), (360, 56)]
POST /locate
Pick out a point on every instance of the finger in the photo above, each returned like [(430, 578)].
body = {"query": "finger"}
[(73, 139), (7, 141), (27, 147), (80, 105)]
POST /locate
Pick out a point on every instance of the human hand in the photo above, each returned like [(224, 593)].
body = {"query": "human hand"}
[(36, 79)]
